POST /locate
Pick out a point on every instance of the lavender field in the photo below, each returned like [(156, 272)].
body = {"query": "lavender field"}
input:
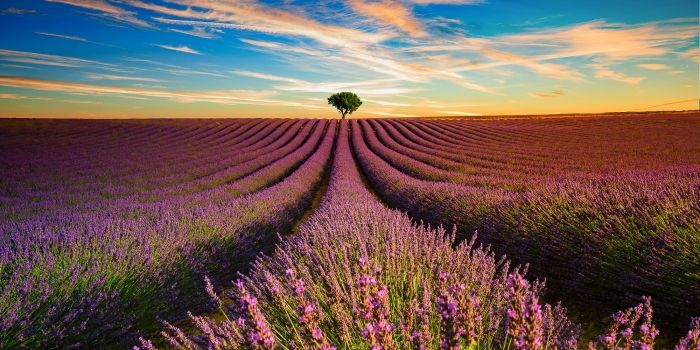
[(461, 233)]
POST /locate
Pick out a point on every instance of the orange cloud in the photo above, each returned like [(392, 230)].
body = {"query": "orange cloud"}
[(551, 70), (692, 54), (613, 41), (549, 94), (216, 96), (653, 66), (250, 15), (390, 12), (603, 72), (12, 96), (227, 97)]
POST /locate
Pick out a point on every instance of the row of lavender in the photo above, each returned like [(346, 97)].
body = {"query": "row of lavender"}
[(598, 235), (172, 159), (89, 269), (360, 275)]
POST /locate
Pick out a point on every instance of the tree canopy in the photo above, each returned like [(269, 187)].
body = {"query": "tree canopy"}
[(345, 102)]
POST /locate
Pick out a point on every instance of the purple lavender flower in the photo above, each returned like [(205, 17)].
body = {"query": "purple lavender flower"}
[(446, 306), (525, 322), (259, 333), (692, 340)]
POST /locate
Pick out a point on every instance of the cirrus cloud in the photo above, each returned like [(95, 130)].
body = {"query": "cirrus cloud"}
[(107, 10), (183, 48), (214, 96)]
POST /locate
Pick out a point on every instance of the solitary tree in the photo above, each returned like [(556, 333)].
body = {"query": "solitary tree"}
[(345, 102)]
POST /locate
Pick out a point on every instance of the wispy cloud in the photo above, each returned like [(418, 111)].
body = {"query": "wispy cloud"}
[(174, 69), (107, 10), (380, 61), (45, 59), (12, 96), (552, 70), (83, 102), (227, 97), (373, 87), (214, 96), (95, 76), (692, 54), (598, 39), (267, 77), (284, 48), (604, 72), (390, 12), (16, 66), (653, 66), (200, 32), (547, 94), (611, 40), (61, 36), (16, 11), (184, 49), (187, 71), (253, 16)]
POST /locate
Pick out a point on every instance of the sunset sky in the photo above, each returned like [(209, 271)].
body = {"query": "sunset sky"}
[(187, 58)]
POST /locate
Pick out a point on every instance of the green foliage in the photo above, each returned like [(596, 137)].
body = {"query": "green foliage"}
[(345, 102)]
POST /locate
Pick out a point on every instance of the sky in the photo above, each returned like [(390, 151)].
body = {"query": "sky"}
[(404, 58)]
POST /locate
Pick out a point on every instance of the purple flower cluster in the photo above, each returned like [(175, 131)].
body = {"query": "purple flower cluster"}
[(417, 320), (692, 340), (309, 314), (450, 330), (621, 333), (373, 309), (259, 334), (525, 321), (460, 314)]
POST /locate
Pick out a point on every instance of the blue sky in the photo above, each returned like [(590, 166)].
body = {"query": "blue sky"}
[(181, 58)]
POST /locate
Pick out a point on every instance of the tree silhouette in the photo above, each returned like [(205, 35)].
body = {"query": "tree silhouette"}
[(345, 102)]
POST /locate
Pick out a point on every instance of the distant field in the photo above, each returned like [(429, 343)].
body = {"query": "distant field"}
[(106, 226)]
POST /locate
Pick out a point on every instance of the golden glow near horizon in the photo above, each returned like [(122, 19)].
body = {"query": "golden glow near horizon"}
[(176, 59)]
